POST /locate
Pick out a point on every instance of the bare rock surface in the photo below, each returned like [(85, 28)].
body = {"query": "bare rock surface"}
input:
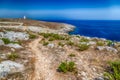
[(16, 46), (110, 49), (12, 36), (1, 42), (10, 67)]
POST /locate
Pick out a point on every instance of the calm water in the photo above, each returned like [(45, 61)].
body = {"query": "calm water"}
[(95, 28)]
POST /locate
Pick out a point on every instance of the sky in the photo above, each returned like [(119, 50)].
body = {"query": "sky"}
[(61, 9)]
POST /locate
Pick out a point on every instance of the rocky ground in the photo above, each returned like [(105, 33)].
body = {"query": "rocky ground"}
[(30, 55)]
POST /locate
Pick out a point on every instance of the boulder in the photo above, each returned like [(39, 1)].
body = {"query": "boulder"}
[(110, 49), (1, 42), (10, 67), (16, 46), (51, 45), (92, 43), (100, 48)]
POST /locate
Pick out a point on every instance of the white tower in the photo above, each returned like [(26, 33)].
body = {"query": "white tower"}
[(24, 17)]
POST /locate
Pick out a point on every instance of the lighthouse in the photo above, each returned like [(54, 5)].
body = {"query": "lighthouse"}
[(24, 17)]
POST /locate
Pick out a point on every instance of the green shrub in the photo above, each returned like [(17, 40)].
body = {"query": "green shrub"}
[(60, 44), (32, 36), (66, 66), (58, 37), (46, 35), (113, 72), (83, 47), (45, 43), (72, 55), (6, 40), (71, 66), (12, 56), (100, 43), (51, 39), (70, 43), (84, 40), (16, 42), (109, 43), (52, 35)]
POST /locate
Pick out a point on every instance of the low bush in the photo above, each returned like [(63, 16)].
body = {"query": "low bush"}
[(84, 40), (45, 43), (67, 67), (51, 39), (52, 35), (109, 43), (100, 43), (32, 36), (83, 47), (72, 55), (70, 43), (12, 56), (6, 40), (113, 71), (60, 44)]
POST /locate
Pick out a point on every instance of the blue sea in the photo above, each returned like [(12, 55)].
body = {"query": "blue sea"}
[(109, 29)]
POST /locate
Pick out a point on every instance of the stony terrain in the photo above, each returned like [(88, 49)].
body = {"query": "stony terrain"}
[(33, 54)]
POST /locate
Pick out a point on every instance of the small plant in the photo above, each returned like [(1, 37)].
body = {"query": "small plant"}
[(51, 39), (84, 40), (72, 55), (109, 43), (6, 40), (100, 43), (46, 35), (32, 36), (70, 43), (66, 66), (13, 56), (113, 72), (17, 42), (45, 43), (83, 47), (60, 44)]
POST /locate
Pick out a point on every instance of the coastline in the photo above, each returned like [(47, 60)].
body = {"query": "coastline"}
[(36, 26), (42, 26)]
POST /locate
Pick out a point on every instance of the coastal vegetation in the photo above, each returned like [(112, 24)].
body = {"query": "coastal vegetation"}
[(45, 43), (72, 55), (12, 56), (113, 71), (7, 41), (53, 36), (83, 47), (84, 40), (32, 36), (67, 66), (70, 43), (100, 43)]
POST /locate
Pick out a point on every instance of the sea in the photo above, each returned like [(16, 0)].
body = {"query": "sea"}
[(108, 29)]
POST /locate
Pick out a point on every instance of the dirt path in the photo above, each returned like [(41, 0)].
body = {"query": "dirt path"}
[(42, 64)]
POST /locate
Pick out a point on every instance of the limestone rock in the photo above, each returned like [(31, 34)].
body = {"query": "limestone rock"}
[(1, 42), (16, 46), (12, 36), (9, 67), (51, 45)]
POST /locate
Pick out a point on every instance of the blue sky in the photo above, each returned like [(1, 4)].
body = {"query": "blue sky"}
[(61, 9)]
